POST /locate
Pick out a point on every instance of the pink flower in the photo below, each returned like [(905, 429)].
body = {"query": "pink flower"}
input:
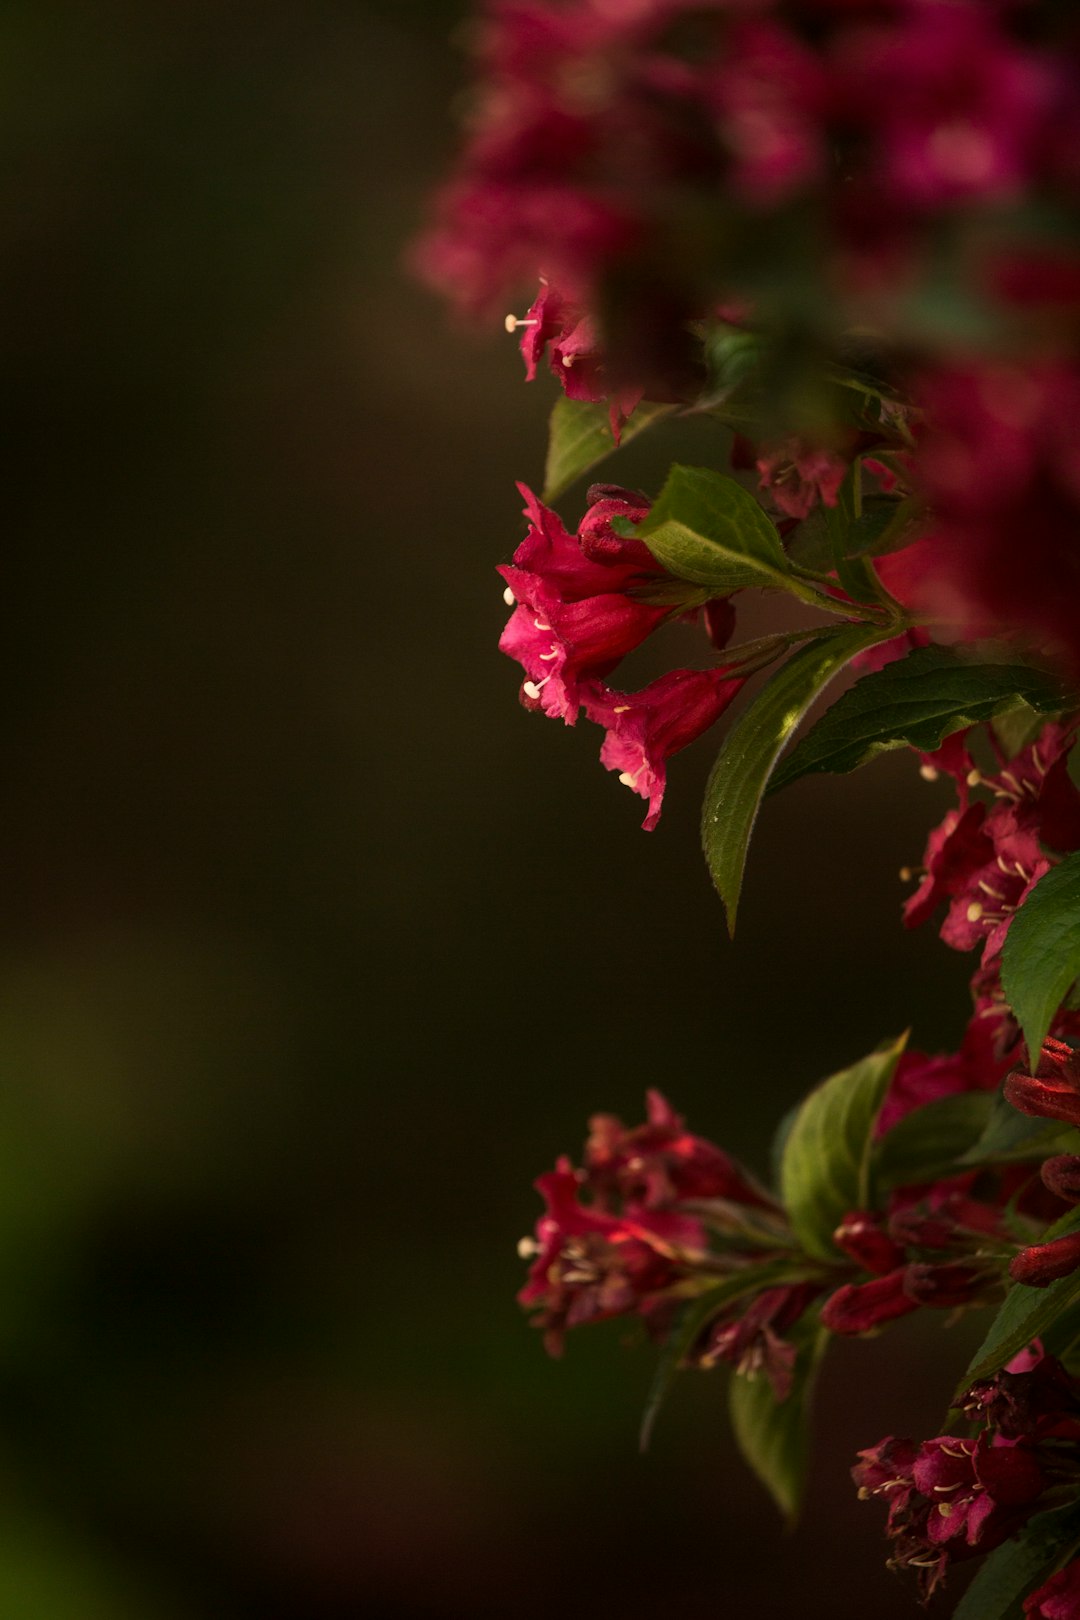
[(1058, 1598), (985, 861), (753, 1341), (950, 1497), (659, 1163), (575, 358), (645, 728), (573, 619), (798, 476), (769, 95), (955, 107), (590, 1265), (998, 459)]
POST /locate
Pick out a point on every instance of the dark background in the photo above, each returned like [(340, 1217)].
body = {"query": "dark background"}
[(316, 948)]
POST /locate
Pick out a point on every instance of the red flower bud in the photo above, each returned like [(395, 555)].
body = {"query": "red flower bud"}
[(1053, 1091), (858, 1309), (957, 1282), (1061, 1175), (860, 1235), (1044, 1263)]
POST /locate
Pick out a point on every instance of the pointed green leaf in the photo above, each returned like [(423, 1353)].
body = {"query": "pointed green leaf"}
[(825, 1171), (580, 435), (695, 1315), (1026, 1313), (931, 1140), (1010, 1137), (916, 702), (1041, 959), (752, 746), (774, 1436), (708, 529), (1019, 1565)]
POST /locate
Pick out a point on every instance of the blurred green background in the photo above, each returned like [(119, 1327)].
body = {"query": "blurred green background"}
[(316, 948)]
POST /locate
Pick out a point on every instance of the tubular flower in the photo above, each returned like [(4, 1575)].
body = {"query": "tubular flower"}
[(659, 1163), (575, 356), (1053, 1091), (984, 861), (1058, 1598), (753, 1342), (573, 618), (645, 728), (589, 1265), (949, 1498)]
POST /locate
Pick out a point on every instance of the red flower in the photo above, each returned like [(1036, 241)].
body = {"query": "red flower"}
[(575, 358), (1053, 1091), (590, 1265), (645, 728), (949, 1497), (659, 1163), (1058, 1598), (573, 618), (753, 1342)]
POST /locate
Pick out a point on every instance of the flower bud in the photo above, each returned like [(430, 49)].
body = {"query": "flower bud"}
[(1044, 1263), (1061, 1175)]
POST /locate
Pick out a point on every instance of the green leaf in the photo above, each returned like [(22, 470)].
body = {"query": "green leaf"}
[(1041, 958), (826, 1167), (931, 1140), (1012, 1570), (774, 1436), (1026, 1313), (1011, 1137), (695, 1316), (916, 702), (752, 746), (1017, 728), (579, 435), (708, 529)]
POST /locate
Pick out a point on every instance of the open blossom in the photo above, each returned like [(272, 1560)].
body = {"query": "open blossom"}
[(950, 1498), (798, 476), (573, 617), (660, 1163), (645, 728), (985, 860), (1058, 1598), (752, 1340), (575, 353), (589, 1265)]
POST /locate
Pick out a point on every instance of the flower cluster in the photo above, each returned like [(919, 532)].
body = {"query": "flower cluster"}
[(984, 859), (844, 235), (603, 134), (657, 1216), (959, 1496), (581, 603)]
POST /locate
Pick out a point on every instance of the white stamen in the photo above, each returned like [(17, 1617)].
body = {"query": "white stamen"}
[(929, 773), (527, 1247), (974, 777), (512, 322), (621, 708), (508, 597), (539, 626), (568, 360), (545, 658), (532, 689), (974, 911)]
